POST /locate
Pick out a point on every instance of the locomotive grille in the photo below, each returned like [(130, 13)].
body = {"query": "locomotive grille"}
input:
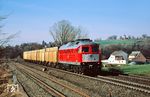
[(90, 57)]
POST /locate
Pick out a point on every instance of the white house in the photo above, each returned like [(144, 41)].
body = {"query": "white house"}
[(118, 57)]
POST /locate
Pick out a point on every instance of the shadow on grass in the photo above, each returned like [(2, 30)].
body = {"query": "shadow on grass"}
[(111, 72)]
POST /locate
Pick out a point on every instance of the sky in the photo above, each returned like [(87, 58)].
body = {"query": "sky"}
[(98, 18)]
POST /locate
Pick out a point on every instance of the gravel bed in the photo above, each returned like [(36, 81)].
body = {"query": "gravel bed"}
[(97, 88), (30, 86), (11, 80), (128, 78), (63, 90)]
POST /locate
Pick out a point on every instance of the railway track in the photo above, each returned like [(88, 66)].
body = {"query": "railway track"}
[(48, 88), (112, 81), (136, 79), (140, 77), (127, 84), (43, 85)]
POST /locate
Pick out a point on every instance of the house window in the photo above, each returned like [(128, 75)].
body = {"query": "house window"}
[(119, 58)]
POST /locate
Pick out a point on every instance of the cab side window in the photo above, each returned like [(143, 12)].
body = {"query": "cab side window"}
[(85, 49), (95, 49)]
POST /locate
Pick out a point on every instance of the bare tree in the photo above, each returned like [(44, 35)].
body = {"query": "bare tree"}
[(97, 40), (144, 36), (5, 37), (113, 37), (63, 32)]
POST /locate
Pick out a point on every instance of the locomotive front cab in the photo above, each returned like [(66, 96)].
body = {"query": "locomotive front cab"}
[(90, 58), (90, 53)]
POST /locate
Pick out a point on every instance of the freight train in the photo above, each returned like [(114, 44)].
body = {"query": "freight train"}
[(80, 56)]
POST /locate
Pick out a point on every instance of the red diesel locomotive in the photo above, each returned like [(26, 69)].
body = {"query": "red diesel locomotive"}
[(82, 56)]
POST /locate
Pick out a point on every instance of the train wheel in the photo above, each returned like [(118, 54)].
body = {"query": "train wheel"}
[(84, 70), (79, 70), (51, 64), (70, 68), (48, 64), (74, 69)]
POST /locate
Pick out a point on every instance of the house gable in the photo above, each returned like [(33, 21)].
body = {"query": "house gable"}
[(118, 57), (137, 57)]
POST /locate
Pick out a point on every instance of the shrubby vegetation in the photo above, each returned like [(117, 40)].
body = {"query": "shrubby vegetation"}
[(128, 45)]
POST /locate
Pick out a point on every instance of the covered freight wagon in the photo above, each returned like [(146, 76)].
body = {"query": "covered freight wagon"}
[(51, 55), (33, 55), (40, 55)]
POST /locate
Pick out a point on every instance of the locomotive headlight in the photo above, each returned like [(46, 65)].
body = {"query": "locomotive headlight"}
[(79, 50)]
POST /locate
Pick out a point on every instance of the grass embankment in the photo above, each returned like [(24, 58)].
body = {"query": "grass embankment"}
[(129, 69), (136, 69)]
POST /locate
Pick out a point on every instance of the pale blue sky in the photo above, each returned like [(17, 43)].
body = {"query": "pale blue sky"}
[(99, 18)]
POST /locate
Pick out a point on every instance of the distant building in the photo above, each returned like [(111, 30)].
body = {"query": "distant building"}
[(118, 57), (137, 56)]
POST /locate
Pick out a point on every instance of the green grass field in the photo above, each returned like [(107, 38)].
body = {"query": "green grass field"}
[(136, 69), (130, 69)]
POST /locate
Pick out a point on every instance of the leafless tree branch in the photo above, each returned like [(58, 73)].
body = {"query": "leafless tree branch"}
[(63, 32)]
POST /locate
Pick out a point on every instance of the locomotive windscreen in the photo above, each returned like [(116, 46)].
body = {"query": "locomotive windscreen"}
[(95, 48)]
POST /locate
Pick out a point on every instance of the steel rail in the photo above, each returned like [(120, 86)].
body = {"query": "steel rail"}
[(65, 86), (129, 86), (46, 87)]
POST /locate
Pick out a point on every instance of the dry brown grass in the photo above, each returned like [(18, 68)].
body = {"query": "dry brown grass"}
[(5, 77)]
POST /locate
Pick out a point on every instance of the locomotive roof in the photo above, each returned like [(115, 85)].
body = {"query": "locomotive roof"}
[(76, 43)]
